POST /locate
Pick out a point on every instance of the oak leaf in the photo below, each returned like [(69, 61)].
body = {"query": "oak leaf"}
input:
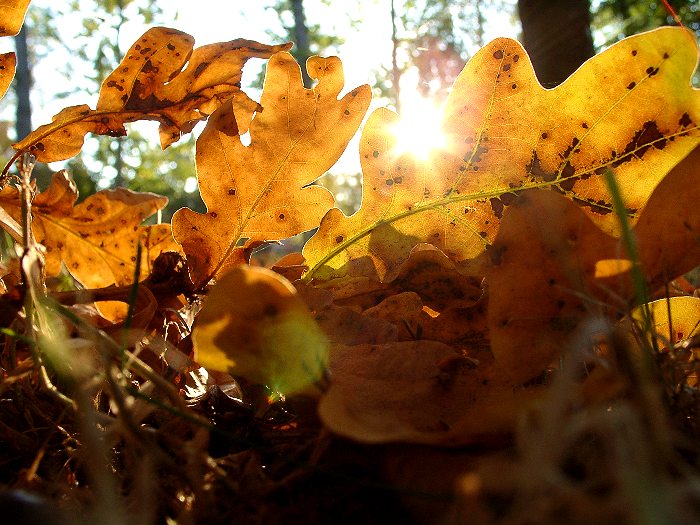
[(549, 239), (12, 16), (631, 109), (418, 392), (8, 61), (263, 191), (160, 78), (96, 239), (253, 324)]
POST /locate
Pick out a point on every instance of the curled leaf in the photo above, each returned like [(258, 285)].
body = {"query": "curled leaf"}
[(160, 78), (254, 325)]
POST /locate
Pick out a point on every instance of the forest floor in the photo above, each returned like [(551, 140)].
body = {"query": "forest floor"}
[(625, 462)]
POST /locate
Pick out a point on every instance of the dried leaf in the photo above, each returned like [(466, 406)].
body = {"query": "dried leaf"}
[(562, 252), (96, 239), (12, 16), (631, 109), (263, 191), (417, 392), (668, 232), (8, 61), (346, 326), (151, 84), (254, 325), (673, 320), (542, 280)]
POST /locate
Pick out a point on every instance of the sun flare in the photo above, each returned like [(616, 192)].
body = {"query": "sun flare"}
[(419, 130)]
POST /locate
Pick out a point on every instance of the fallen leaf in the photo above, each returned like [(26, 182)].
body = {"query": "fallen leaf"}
[(542, 281), (151, 84), (417, 392), (631, 109), (12, 16), (8, 61), (545, 237), (346, 326), (254, 325), (96, 239), (668, 232), (263, 191), (672, 320)]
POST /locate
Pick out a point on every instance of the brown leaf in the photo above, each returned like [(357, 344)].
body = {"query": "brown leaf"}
[(551, 268), (349, 327), (97, 238), (668, 231), (405, 311), (542, 281), (263, 191), (418, 392), (12, 16), (151, 84)]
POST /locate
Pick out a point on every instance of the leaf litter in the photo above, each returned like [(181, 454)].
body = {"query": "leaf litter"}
[(469, 346)]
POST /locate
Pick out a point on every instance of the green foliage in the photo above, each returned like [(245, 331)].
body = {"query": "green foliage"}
[(617, 19)]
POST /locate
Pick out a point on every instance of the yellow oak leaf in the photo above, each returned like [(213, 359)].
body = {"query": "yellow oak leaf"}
[(151, 84), (12, 16), (8, 61), (96, 239), (253, 324), (263, 191), (631, 109)]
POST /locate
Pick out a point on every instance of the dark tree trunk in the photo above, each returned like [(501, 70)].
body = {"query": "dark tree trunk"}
[(557, 36), (301, 39), (23, 85)]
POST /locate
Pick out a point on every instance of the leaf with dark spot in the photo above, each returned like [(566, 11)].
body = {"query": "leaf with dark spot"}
[(264, 190), (638, 125), (161, 78), (96, 239)]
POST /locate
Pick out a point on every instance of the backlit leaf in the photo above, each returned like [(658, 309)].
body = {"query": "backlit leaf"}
[(253, 324), (151, 84), (8, 62), (12, 16), (96, 239), (263, 191), (631, 109)]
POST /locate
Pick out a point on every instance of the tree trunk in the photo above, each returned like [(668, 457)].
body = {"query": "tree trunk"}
[(557, 36), (395, 72), (23, 85), (480, 22), (301, 38)]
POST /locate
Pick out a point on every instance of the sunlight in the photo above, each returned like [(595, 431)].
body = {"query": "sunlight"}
[(418, 130)]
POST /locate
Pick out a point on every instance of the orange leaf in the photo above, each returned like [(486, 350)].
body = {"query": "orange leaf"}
[(263, 191), (151, 84), (418, 392), (12, 16), (97, 239), (8, 61)]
